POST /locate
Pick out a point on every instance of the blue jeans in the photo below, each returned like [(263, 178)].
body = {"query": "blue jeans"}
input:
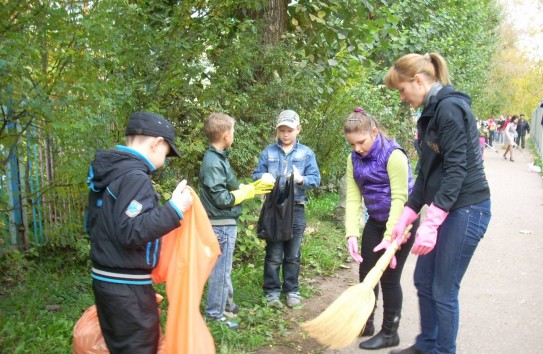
[(219, 285), (439, 273), (288, 254)]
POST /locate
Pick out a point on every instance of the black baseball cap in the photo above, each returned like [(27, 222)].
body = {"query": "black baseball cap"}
[(150, 124)]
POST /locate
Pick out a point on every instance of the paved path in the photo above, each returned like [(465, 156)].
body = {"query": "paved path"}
[(501, 299)]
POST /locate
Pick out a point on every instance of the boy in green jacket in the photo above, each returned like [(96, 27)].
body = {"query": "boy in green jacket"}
[(221, 195)]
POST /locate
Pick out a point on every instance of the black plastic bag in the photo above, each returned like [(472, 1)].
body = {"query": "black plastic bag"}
[(277, 213)]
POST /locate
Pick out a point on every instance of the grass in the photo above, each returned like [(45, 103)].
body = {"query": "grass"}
[(43, 292)]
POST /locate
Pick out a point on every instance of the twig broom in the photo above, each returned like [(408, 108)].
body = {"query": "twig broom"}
[(339, 325)]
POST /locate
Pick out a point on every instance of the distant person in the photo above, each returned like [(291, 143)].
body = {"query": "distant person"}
[(483, 136), (287, 157), (491, 131), (504, 126), (125, 224), (523, 128), (378, 174), (509, 137), (499, 129), (452, 182), (221, 196)]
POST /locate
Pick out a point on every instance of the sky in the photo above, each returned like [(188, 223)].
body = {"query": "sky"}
[(526, 17)]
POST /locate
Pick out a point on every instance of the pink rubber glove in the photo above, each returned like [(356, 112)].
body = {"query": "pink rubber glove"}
[(385, 244), (426, 237), (352, 245), (407, 218)]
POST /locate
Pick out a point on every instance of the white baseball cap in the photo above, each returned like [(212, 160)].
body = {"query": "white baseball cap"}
[(289, 118)]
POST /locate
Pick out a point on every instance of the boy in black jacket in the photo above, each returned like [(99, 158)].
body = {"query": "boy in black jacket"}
[(125, 223)]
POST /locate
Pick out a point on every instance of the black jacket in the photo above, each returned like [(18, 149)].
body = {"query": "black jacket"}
[(125, 221), (523, 127), (451, 173)]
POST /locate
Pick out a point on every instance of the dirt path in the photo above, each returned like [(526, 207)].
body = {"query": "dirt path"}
[(502, 293)]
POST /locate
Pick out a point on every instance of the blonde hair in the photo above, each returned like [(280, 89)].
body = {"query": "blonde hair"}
[(431, 65), (216, 124)]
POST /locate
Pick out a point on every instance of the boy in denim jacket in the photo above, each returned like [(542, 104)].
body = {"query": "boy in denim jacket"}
[(288, 156)]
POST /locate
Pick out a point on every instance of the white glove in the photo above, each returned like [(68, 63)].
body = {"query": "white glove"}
[(181, 197), (268, 178), (298, 178)]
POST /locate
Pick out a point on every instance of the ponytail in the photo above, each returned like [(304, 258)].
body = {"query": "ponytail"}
[(431, 65)]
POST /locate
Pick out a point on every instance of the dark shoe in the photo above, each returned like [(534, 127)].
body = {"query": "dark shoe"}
[(512, 160), (368, 330), (387, 336), (232, 313), (410, 350), (381, 340), (505, 158), (234, 309)]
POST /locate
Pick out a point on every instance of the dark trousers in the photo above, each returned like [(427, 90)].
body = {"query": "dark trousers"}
[(521, 141), (128, 316), (286, 254), (490, 137), (390, 281)]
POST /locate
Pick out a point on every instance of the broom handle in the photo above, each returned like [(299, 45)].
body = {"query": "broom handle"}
[(377, 271)]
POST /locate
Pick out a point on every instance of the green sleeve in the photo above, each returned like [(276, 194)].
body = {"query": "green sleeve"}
[(398, 173), (353, 203)]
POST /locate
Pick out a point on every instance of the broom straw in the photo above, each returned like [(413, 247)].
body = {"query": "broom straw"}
[(339, 325)]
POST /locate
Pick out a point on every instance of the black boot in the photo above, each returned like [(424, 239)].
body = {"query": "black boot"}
[(369, 329), (410, 350), (387, 336)]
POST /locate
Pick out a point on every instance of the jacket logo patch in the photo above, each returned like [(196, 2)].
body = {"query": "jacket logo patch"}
[(134, 208)]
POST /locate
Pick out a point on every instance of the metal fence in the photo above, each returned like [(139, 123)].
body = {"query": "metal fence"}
[(21, 221), (536, 128)]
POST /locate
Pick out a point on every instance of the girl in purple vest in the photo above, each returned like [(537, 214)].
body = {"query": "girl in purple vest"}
[(377, 170)]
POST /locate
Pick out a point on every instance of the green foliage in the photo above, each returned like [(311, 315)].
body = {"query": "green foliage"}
[(249, 247), (44, 291), (38, 309), (74, 75)]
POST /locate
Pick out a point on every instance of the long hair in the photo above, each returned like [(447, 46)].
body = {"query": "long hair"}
[(431, 65)]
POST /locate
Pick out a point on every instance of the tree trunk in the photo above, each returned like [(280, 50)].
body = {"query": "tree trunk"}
[(276, 17)]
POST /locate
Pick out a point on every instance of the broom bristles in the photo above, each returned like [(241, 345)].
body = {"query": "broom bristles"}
[(340, 324)]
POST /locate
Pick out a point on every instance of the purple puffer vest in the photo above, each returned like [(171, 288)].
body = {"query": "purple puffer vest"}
[(371, 176)]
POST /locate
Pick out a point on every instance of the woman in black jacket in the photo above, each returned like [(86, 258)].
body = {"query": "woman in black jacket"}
[(452, 182)]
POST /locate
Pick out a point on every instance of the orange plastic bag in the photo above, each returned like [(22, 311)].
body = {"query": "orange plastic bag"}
[(187, 257), (88, 338)]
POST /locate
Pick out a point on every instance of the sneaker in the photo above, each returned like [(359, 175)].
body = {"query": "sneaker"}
[(234, 310), (232, 313), (230, 324), (293, 300), (274, 302)]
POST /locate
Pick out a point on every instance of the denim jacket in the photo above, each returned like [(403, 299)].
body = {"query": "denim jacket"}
[(275, 161)]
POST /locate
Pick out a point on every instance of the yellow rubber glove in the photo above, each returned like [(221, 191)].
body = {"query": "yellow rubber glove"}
[(245, 191), (262, 187)]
